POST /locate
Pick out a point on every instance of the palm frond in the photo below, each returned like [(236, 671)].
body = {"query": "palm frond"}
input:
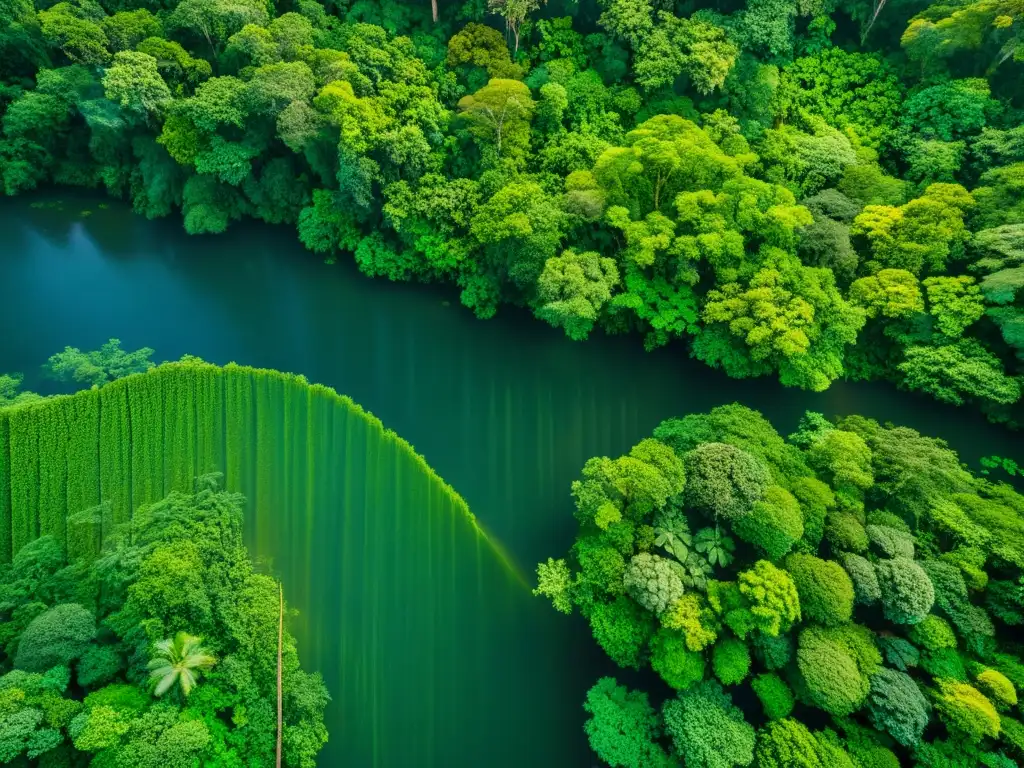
[(165, 684), (179, 660)]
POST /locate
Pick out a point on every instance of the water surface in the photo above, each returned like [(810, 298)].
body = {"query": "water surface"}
[(505, 410)]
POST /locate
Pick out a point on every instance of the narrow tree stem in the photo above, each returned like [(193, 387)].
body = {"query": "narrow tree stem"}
[(879, 5), (280, 636)]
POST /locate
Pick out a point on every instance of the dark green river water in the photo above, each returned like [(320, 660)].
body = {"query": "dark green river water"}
[(506, 411)]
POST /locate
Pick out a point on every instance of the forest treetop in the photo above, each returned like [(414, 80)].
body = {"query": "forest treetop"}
[(850, 596), (799, 189)]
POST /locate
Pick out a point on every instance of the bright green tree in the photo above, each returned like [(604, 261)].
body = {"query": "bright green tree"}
[(177, 663), (724, 481), (955, 302), (134, 82), (622, 726), (707, 730), (573, 288), (499, 116), (826, 592)]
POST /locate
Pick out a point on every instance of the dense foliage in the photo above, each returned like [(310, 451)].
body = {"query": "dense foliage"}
[(131, 441), (805, 189), (160, 652), (98, 366), (91, 368), (850, 597)]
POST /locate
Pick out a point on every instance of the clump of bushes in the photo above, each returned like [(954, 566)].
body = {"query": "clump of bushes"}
[(835, 571), (160, 651)]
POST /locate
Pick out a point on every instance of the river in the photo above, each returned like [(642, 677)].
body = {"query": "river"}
[(505, 410)]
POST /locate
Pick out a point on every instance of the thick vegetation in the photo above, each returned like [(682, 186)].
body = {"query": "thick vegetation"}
[(326, 488), (807, 190), (160, 651), (135, 439), (851, 597), (91, 368)]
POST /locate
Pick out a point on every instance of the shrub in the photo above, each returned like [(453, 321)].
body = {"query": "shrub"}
[(899, 653), (997, 688), (870, 755), (866, 746), (865, 583), (845, 533), (99, 664), (898, 706), (1010, 666), (787, 743), (965, 709), (933, 634), (832, 753), (826, 592), (57, 637), (622, 726), (907, 592), (775, 696), (731, 661), (844, 458), (956, 751), (1012, 734), (691, 616), (774, 525), (601, 567), (554, 583), (637, 484), (653, 582), (890, 542), (125, 698), (888, 519), (651, 475), (731, 607), (816, 499), (971, 562), (773, 652), (737, 425), (677, 665), (830, 672), (771, 597), (859, 641), (98, 728), (723, 480), (707, 730), (945, 663), (951, 600), (622, 629)]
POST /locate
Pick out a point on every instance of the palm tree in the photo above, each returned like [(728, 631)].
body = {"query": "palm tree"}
[(180, 661)]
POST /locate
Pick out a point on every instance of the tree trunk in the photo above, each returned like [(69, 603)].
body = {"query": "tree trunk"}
[(879, 5), (433, 9), (280, 636)]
